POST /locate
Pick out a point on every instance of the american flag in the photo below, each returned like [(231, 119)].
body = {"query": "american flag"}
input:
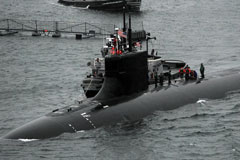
[(138, 44), (122, 34)]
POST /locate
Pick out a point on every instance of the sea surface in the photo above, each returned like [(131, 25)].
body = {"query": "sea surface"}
[(39, 74)]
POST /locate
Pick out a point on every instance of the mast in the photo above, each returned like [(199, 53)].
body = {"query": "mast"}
[(130, 34), (124, 23)]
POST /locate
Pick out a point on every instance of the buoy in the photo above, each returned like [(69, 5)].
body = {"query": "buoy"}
[(78, 36)]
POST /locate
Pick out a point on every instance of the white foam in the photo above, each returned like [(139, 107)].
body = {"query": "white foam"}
[(27, 140), (201, 101), (83, 113), (105, 106)]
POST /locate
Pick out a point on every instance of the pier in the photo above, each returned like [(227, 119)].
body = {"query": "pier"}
[(54, 28)]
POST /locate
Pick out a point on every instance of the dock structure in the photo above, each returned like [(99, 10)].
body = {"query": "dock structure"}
[(54, 28)]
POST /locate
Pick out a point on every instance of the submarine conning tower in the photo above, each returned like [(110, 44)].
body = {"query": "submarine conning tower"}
[(124, 75)]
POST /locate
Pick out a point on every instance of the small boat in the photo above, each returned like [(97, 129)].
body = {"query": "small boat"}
[(106, 5), (6, 33)]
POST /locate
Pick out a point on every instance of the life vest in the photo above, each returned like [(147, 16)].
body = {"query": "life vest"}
[(119, 52), (113, 51), (188, 70), (181, 71)]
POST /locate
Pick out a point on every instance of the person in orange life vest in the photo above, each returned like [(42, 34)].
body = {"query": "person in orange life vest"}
[(187, 73), (119, 52), (112, 51), (181, 72)]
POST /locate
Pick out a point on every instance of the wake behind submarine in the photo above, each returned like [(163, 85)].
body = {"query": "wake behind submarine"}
[(124, 96)]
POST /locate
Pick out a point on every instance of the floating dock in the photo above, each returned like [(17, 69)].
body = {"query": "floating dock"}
[(54, 28)]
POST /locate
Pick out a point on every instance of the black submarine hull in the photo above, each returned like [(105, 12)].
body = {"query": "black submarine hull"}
[(93, 114), (124, 96)]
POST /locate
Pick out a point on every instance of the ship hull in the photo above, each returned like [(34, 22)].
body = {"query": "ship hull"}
[(124, 97), (106, 5), (93, 114)]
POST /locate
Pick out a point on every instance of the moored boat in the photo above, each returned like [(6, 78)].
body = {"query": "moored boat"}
[(106, 5)]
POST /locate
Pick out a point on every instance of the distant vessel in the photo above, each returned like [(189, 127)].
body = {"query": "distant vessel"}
[(4, 32), (107, 5)]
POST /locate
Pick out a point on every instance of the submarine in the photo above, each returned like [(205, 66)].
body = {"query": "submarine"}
[(125, 96)]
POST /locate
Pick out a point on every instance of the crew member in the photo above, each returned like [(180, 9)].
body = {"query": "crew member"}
[(202, 69), (193, 75), (181, 72), (161, 78), (155, 78), (169, 77), (187, 73), (152, 52), (98, 66), (113, 51)]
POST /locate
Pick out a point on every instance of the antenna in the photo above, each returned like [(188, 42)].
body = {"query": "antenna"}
[(124, 23), (130, 34), (124, 16)]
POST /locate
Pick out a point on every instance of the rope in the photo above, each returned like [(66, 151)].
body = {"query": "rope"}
[(88, 88)]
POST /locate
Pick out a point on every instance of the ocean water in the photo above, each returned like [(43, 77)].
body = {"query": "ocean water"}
[(39, 74)]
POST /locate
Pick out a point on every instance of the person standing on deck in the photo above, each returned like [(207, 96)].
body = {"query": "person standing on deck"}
[(187, 73), (161, 77), (202, 69), (155, 77), (181, 72), (169, 76), (98, 66)]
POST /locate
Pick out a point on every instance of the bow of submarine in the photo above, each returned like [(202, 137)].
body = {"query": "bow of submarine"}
[(125, 75), (50, 125), (38, 129)]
